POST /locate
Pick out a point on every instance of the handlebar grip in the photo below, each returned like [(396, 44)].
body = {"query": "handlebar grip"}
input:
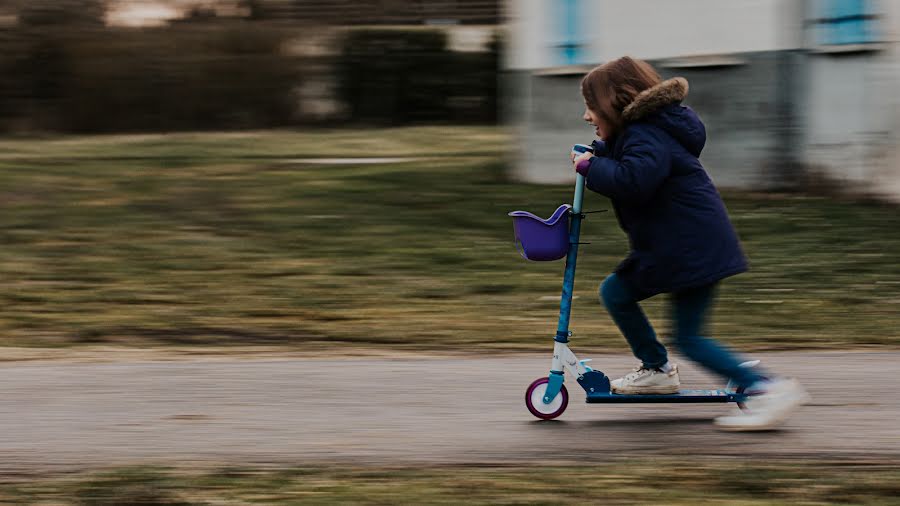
[(582, 148)]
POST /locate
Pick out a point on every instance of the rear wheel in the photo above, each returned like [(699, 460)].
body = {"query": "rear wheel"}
[(534, 399), (741, 390), (731, 386)]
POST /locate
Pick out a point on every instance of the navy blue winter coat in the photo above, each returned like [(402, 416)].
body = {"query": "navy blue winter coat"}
[(676, 223)]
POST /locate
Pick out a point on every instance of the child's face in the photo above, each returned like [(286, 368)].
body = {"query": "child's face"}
[(601, 128)]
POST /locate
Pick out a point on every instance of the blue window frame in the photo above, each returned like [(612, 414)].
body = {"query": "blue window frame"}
[(843, 22), (567, 20)]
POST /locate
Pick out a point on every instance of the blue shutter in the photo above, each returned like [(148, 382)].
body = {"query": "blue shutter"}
[(568, 26), (846, 22)]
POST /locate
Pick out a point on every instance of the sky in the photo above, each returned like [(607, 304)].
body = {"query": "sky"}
[(152, 12), (139, 13)]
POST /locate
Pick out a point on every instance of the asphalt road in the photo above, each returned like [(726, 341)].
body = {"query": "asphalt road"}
[(58, 415)]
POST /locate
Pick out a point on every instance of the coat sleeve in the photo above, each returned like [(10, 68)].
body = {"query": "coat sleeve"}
[(645, 163), (600, 148)]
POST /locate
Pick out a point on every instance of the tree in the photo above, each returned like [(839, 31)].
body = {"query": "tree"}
[(36, 13), (256, 9)]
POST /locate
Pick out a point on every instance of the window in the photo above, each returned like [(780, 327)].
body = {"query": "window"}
[(845, 22)]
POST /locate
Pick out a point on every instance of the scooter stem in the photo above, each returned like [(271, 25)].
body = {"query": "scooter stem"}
[(579, 193), (565, 303)]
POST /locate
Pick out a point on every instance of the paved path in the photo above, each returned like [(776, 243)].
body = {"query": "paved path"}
[(408, 411)]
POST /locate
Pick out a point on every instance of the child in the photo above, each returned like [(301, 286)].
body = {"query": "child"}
[(681, 240)]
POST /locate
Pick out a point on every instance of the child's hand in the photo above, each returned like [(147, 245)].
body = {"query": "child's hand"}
[(582, 162), (575, 154)]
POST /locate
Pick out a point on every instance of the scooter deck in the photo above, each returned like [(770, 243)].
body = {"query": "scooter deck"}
[(681, 396)]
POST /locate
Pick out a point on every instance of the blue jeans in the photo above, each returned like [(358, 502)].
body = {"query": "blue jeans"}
[(689, 313)]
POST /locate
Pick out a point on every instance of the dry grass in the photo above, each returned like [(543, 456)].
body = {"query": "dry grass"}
[(224, 239), (676, 483)]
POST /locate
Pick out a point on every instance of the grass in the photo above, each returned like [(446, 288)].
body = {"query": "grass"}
[(660, 482), (226, 239)]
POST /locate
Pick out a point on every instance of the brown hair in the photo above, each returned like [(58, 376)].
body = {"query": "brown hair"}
[(609, 88)]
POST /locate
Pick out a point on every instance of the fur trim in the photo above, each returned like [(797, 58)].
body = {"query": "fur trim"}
[(665, 93)]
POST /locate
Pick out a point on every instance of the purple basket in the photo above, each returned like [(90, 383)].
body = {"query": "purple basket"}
[(542, 240)]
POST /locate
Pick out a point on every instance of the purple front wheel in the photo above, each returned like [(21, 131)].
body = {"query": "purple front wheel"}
[(534, 399)]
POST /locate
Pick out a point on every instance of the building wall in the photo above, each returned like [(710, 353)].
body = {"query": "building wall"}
[(852, 112), (648, 29), (785, 98), (738, 104)]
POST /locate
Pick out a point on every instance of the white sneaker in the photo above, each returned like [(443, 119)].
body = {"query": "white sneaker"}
[(647, 381), (767, 410)]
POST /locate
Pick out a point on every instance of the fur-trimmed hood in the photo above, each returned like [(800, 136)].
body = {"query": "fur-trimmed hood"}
[(661, 106), (652, 99)]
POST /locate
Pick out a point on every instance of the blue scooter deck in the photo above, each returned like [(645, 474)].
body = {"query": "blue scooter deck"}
[(681, 396)]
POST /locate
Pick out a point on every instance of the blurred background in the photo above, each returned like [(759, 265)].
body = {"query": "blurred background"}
[(320, 178), (155, 66), (279, 172)]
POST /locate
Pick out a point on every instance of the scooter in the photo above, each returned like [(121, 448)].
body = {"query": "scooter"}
[(556, 237)]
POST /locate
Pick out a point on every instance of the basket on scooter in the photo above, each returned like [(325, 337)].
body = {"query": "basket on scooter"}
[(542, 240)]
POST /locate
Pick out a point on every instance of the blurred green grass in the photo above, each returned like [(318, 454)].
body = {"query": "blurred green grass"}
[(664, 481), (234, 239)]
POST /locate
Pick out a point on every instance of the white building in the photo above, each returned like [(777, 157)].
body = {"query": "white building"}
[(790, 90)]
